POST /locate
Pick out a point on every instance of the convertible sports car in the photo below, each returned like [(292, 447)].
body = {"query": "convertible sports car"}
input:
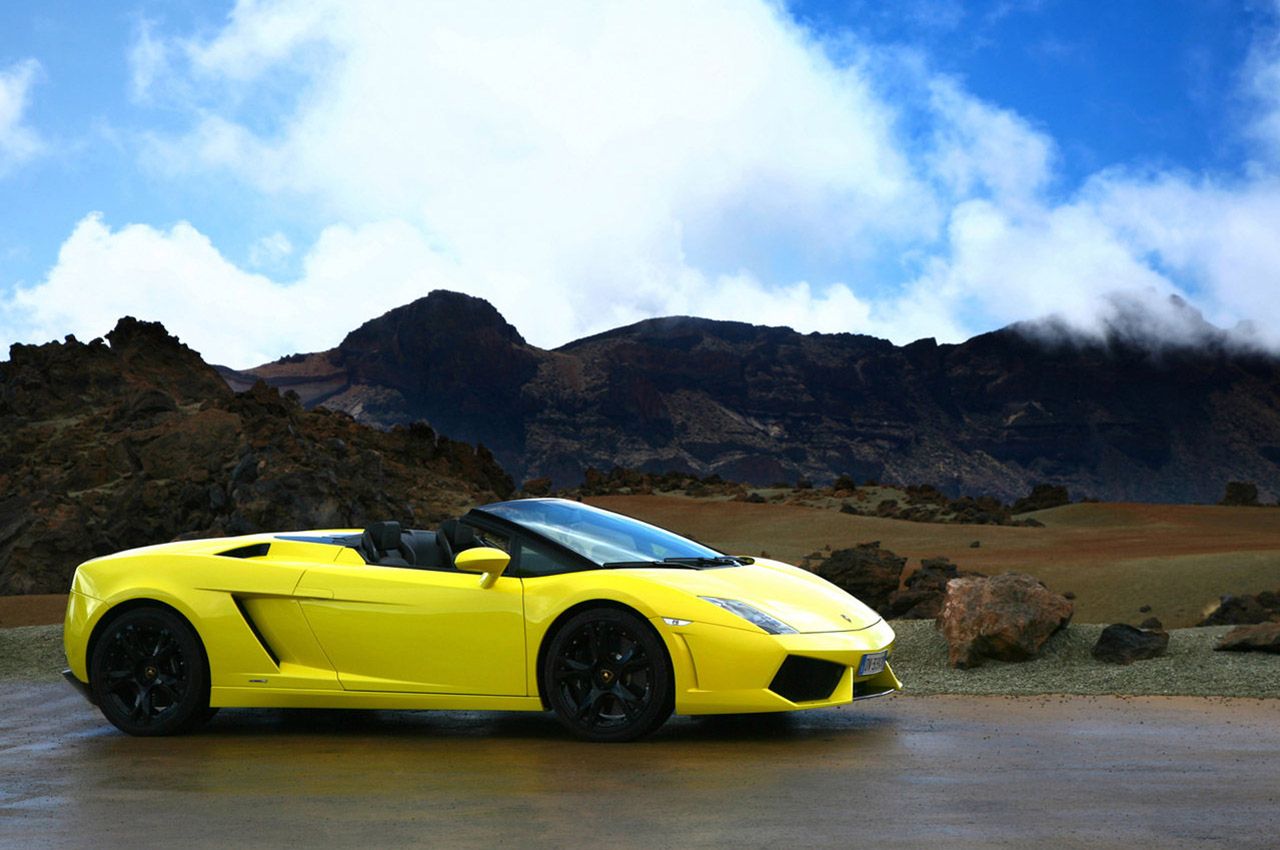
[(525, 605)]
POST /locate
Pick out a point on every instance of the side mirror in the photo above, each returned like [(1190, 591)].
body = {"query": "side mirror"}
[(485, 560)]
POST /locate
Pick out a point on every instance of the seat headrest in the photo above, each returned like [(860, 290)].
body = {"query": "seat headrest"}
[(386, 535), (459, 535), (463, 537)]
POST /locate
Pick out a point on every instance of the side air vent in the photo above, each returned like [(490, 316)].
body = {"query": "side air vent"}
[(801, 679), (253, 627), (253, 550)]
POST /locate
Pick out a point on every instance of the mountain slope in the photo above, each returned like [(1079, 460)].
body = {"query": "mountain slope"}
[(1118, 420), (109, 446)]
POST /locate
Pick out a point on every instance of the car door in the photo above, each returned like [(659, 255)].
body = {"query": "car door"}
[(417, 630)]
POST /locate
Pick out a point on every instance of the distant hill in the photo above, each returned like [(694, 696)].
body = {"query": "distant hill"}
[(109, 446), (1119, 420)]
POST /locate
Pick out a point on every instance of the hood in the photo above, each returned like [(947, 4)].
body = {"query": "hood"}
[(797, 597)]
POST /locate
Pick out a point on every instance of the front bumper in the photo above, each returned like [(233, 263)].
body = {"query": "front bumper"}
[(730, 670)]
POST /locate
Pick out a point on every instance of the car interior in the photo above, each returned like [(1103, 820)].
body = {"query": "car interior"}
[(387, 544)]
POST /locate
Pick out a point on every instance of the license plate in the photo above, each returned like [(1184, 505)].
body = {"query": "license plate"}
[(872, 664)]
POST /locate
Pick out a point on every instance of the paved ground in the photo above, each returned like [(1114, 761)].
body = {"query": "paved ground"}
[(897, 772)]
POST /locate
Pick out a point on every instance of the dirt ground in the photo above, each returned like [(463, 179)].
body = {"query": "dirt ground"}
[(35, 610), (1116, 558), (964, 772)]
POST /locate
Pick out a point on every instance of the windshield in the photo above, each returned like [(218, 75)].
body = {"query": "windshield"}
[(599, 535)]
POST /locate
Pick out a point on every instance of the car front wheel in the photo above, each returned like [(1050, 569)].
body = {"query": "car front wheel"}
[(607, 676), (148, 673)]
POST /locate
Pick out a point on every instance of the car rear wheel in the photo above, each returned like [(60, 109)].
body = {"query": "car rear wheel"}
[(148, 673), (608, 677)]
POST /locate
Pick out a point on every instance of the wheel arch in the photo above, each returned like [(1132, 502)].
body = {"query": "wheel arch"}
[(572, 611), (116, 611)]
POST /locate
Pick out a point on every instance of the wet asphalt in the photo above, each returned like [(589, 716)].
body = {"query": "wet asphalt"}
[(896, 772)]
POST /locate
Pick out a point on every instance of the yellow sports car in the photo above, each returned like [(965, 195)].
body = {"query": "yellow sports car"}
[(529, 605)]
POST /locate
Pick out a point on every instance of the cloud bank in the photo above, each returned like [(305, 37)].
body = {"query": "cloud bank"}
[(583, 166)]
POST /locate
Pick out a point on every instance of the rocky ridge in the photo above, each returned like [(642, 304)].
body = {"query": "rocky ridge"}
[(1117, 419), (134, 440)]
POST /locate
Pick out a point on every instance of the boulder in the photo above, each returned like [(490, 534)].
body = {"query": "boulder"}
[(867, 571), (1244, 610), (1006, 617), (1264, 637), (924, 590), (1121, 643)]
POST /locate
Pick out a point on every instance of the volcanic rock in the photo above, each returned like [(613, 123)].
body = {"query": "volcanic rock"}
[(1244, 609), (924, 590), (867, 571), (1042, 497), (1264, 637), (135, 440), (1006, 617), (1121, 643)]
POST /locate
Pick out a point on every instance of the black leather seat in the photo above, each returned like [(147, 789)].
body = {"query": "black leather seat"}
[(426, 550), (382, 544)]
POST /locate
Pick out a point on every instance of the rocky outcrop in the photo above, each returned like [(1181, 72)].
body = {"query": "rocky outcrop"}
[(866, 571), (1264, 637), (991, 416), (1121, 643), (1244, 609), (1241, 494), (134, 440), (1006, 617), (1042, 497)]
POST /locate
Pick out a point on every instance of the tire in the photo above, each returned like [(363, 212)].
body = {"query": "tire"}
[(149, 675), (607, 676)]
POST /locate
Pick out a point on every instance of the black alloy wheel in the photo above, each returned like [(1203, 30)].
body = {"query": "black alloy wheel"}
[(148, 673), (607, 676)]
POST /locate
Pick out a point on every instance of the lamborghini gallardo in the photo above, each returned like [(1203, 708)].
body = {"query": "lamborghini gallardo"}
[(529, 605)]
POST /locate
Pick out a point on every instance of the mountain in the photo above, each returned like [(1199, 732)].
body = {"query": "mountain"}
[(135, 440), (1117, 418)]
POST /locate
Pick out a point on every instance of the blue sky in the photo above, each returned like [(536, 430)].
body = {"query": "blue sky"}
[(264, 177)]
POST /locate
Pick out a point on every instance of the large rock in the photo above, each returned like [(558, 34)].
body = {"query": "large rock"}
[(1243, 609), (924, 590), (867, 571), (1121, 643), (1264, 637), (1006, 617)]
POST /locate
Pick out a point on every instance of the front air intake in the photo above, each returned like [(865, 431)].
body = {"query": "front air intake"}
[(801, 679)]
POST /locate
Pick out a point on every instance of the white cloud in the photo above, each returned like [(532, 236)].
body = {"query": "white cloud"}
[(18, 142), (270, 250), (585, 165), (231, 316), (613, 162)]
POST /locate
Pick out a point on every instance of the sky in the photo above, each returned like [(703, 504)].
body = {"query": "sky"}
[(264, 176)]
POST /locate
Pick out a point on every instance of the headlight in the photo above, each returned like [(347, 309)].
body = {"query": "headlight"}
[(751, 614)]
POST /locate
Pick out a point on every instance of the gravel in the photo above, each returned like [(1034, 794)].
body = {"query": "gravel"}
[(31, 652), (1191, 667)]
